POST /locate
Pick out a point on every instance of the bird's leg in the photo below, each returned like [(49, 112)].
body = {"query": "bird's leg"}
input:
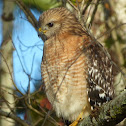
[(79, 118)]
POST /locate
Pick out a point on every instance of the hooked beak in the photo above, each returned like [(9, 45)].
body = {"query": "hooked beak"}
[(41, 33)]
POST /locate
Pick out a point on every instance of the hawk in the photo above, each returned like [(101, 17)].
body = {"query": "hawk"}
[(76, 69)]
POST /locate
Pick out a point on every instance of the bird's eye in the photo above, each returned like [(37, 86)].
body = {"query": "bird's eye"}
[(50, 24)]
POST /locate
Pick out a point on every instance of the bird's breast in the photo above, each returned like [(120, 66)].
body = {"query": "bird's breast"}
[(64, 71)]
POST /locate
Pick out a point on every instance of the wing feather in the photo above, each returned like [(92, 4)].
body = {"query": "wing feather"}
[(100, 74)]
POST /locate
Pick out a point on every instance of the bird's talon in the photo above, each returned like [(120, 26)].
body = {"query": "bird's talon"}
[(79, 118)]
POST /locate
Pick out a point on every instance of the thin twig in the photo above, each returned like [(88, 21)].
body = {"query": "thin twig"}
[(10, 73), (72, 5), (93, 14), (7, 103), (30, 80), (108, 32), (28, 13), (14, 117), (84, 10), (50, 119)]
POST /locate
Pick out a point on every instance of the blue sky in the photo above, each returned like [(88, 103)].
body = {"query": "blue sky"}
[(0, 22), (28, 54), (29, 49)]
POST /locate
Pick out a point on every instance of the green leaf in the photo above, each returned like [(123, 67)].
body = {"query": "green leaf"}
[(119, 38), (124, 63), (43, 4), (109, 42)]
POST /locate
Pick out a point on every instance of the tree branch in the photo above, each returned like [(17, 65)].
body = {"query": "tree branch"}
[(85, 8), (14, 117), (28, 13), (109, 114), (93, 14), (31, 18)]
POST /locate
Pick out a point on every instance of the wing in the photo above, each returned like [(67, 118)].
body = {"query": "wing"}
[(100, 75)]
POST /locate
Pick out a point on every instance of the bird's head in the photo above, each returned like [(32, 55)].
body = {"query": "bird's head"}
[(53, 21)]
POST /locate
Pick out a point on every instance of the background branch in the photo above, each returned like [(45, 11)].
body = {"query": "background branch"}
[(28, 13), (109, 114), (93, 14), (14, 117)]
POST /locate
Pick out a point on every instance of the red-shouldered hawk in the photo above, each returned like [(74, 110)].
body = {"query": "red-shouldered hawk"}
[(76, 69)]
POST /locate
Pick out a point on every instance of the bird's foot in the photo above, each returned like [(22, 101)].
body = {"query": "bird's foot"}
[(79, 118)]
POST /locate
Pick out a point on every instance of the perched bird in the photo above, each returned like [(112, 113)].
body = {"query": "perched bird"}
[(76, 69)]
